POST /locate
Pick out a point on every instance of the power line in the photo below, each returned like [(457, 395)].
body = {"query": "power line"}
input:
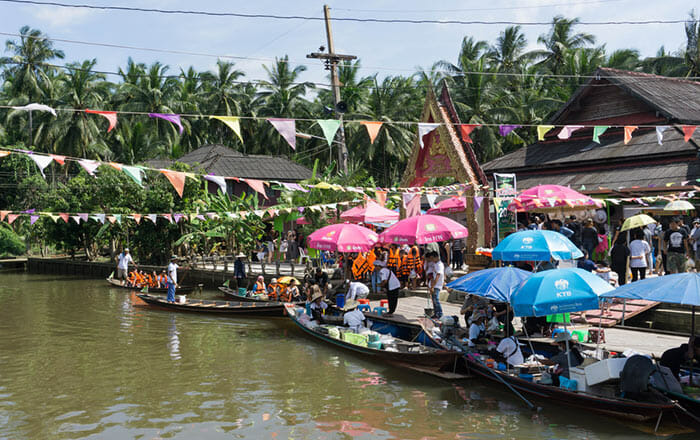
[(506, 8), (339, 19)]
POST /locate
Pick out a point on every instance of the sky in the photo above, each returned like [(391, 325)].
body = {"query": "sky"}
[(387, 49)]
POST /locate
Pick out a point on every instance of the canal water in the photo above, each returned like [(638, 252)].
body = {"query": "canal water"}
[(79, 360)]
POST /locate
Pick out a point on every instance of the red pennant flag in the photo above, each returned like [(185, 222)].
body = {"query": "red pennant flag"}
[(257, 185), (58, 158), (372, 129), (688, 131), (64, 216), (11, 218), (466, 131), (177, 179), (3, 214), (628, 132), (110, 116)]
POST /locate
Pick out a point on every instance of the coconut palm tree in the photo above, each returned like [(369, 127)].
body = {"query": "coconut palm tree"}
[(508, 53), (561, 38)]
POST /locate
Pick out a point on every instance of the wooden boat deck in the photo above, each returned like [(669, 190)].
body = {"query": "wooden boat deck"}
[(612, 318), (411, 308)]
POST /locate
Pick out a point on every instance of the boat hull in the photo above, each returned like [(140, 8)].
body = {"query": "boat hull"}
[(179, 291), (216, 307)]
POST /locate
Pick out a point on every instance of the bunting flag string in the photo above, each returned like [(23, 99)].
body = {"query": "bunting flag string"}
[(35, 107), (688, 131), (219, 180), (628, 132), (232, 122), (42, 162), (466, 131), (329, 127), (287, 129), (566, 132), (372, 129), (542, 130), (598, 131), (170, 117), (505, 129), (177, 179), (110, 116), (660, 133), (425, 128)]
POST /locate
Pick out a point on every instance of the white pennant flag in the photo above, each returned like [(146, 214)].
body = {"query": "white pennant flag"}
[(431, 199), (42, 162), (153, 217), (660, 133), (425, 128), (219, 180), (89, 165), (76, 218), (36, 107)]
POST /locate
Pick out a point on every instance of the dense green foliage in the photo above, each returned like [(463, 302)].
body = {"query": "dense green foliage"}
[(10, 243)]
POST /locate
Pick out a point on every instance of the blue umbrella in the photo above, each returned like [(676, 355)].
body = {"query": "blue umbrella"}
[(536, 246), (496, 283), (679, 288), (558, 291)]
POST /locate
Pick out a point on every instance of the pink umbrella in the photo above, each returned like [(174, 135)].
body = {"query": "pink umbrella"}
[(423, 229), (303, 221), (343, 237), (551, 196), (372, 213), (449, 206)]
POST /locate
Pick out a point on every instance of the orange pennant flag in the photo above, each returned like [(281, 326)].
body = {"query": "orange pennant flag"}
[(137, 218), (688, 131), (177, 179), (466, 131), (628, 132), (372, 129), (11, 218), (58, 158), (4, 153), (64, 216), (3, 214), (257, 185), (110, 116), (116, 166), (381, 197)]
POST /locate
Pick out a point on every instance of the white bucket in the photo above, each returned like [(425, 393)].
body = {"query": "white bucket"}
[(181, 299)]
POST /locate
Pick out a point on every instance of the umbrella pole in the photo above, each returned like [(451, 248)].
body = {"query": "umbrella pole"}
[(692, 334)]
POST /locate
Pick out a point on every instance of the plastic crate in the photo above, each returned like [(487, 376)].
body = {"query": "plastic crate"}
[(357, 339), (604, 370)]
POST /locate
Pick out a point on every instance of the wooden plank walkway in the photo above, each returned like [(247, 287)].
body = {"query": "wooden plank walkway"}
[(618, 309), (411, 308)]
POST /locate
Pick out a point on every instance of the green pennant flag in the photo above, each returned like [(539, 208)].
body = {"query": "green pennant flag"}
[(226, 283), (118, 218), (329, 127), (134, 173), (111, 275), (145, 289), (599, 130)]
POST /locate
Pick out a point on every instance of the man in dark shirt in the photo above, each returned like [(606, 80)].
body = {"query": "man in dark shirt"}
[(585, 263), (675, 357), (676, 246), (618, 260), (321, 279)]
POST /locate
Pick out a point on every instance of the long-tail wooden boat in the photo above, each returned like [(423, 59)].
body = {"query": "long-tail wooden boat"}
[(215, 306), (233, 294), (617, 407), (180, 290), (427, 359)]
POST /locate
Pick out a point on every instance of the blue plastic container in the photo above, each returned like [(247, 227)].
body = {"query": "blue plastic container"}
[(527, 377), (502, 366), (340, 300), (308, 309), (242, 291)]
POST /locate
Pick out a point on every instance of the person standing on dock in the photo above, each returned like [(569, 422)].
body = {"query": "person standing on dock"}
[(436, 283), (676, 247), (123, 261), (172, 278), (389, 283)]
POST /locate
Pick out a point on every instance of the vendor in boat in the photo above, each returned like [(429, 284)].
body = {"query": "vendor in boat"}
[(171, 272), (477, 330), (472, 304), (239, 271), (318, 306), (564, 359), (508, 351), (686, 353), (352, 317), (321, 280)]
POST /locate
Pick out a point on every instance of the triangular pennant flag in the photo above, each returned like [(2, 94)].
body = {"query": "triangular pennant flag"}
[(42, 162), (175, 119), (153, 218), (372, 129), (111, 219), (110, 116), (137, 218), (115, 165), (431, 199), (477, 202), (177, 217), (287, 128), (100, 218), (118, 218), (257, 185), (424, 128), (504, 130), (168, 217), (688, 131), (466, 130), (565, 132), (219, 180), (4, 153), (33, 219), (89, 165), (134, 173), (598, 130), (329, 127), (76, 219), (145, 289), (232, 122), (381, 197), (542, 130), (660, 133), (11, 218), (294, 187), (411, 203), (628, 132), (58, 158), (54, 217), (226, 283), (83, 217), (64, 216), (3, 214), (36, 107), (177, 179)]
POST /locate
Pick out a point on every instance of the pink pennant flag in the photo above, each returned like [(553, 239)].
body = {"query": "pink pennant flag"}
[(287, 128), (566, 132), (372, 129), (11, 218), (628, 132), (294, 187), (58, 158), (33, 219), (3, 214), (175, 119), (177, 217), (477, 202), (111, 219), (411, 202), (688, 131), (257, 185), (64, 216), (466, 131), (137, 218), (168, 217), (110, 116), (89, 165), (83, 217), (177, 179)]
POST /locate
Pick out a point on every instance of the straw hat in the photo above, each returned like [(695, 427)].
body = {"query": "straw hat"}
[(562, 337), (351, 304), (173, 258), (316, 296), (241, 255)]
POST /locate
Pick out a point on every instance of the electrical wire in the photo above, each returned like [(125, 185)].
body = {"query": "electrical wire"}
[(338, 19), (506, 8)]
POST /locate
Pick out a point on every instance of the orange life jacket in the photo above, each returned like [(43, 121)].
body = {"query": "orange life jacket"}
[(273, 290), (360, 266), (284, 295), (370, 257), (414, 262), (404, 268), (394, 260), (259, 287)]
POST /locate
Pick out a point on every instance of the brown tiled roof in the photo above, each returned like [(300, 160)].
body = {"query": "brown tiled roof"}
[(223, 161)]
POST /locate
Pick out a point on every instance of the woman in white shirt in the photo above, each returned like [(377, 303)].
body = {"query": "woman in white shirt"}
[(639, 252)]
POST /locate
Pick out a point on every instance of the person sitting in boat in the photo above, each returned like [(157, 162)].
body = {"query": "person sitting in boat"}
[(318, 306), (153, 280), (686, 353), (162, 280), (291, 292), (473, 304), (508, 350), (477, 330), (321, 280), (352, 317), (564, 360), (259, 288), (273, 290)]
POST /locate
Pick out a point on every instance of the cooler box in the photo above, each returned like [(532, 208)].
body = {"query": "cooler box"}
[(242, 291), (604, 370), (340, 300), (579, 375)]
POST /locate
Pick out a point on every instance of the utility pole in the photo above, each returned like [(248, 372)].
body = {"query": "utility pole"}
[(331, 60)]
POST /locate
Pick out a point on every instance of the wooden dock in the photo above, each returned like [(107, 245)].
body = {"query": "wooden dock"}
[(620, 310)]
